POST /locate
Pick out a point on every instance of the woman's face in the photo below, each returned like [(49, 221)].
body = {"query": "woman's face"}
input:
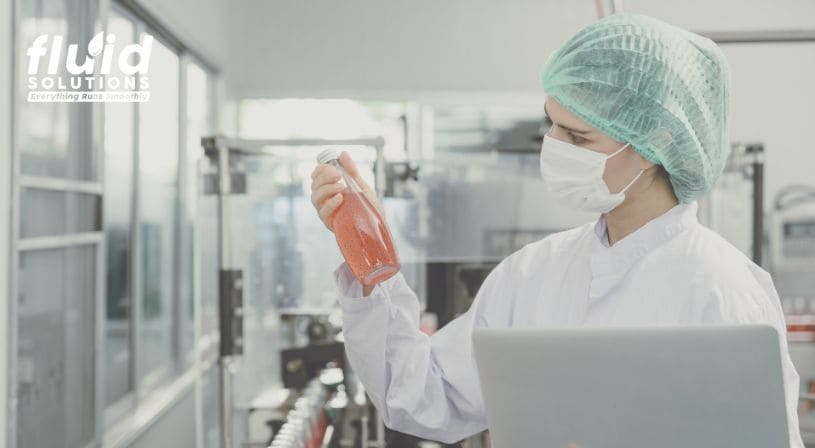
[(620, 169)]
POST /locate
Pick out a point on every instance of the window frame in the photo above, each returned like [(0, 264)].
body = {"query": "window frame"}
[(123, 405), (148, 385), (124, 420), (150, 380), (7, 87), (83, 129)]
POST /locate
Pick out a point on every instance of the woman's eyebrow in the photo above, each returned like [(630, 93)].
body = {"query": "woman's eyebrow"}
[(573, 130)]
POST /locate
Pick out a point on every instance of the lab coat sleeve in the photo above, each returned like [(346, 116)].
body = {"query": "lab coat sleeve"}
[(422, 385), (757, 302), (792, 381)]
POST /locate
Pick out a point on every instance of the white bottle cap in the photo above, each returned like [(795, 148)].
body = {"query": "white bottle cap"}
[(328, 154)]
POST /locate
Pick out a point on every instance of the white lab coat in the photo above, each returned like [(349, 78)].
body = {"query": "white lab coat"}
[(671, 271)]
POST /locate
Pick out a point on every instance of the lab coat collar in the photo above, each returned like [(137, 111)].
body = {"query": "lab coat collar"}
[(610, 263)]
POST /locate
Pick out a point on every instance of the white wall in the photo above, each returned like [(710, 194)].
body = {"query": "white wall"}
[(6, 55), (291, 47), (200, 23), (404, 47), (729, 15), (774, 103)]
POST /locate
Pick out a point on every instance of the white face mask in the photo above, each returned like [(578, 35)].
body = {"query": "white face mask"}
[(575, 175)]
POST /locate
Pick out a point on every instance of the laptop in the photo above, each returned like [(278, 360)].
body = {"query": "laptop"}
[(643, 387)]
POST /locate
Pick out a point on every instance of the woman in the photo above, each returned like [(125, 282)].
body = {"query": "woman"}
[(639, 108)]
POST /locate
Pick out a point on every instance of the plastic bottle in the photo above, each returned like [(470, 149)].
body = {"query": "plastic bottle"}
[(361, 233)]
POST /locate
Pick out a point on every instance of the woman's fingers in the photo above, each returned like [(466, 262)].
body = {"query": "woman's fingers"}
[(328, 208), (324, 174), (322, 193), (325, 191), (318, 169), (352, 170), (326, 188)]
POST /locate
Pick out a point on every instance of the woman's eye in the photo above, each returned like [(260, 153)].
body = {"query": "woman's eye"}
[(576, 138)]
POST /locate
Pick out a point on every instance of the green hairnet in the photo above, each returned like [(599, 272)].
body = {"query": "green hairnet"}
[(664, 90)]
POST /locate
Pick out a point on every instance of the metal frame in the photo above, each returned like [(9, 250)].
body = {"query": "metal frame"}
[(7, 43), (62, 185), (727, 37), (119, 408), (224, 262), (11, 404), (148, 381), (212, 148), (59, 241), (260, 146), (613, 7), (180, 207), (199, 350), (760, 36)]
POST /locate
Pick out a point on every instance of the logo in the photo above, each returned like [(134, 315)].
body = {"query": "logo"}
[(94, 80)]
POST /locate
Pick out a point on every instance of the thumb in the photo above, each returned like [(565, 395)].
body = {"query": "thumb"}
[(352, 170)]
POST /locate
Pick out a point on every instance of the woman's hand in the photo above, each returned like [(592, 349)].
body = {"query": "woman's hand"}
[(326, 188), (326, 194)]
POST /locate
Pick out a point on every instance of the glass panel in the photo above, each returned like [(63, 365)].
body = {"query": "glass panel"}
[(46, 213), (56, 348), (158, 170), (285, 253), (208, 270), (198, 125), (210, 399), (53, 137), (118, 200)]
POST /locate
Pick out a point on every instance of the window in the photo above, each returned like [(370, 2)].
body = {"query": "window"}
[(151, 153), (199, 124), (53, 141), (158, 208), (104, 260), (55, 358), (105, 253), (56, 266), (119, 153)]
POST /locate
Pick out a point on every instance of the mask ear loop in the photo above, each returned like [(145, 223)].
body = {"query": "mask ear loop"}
[(635, 177), (618, 151), (632, 182)]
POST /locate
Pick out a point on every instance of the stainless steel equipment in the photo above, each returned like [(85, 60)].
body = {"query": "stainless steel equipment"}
[(792, 261), (258, 268), (734, 208)]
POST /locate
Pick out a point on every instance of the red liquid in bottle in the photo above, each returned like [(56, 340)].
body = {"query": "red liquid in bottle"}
[(364, 239)]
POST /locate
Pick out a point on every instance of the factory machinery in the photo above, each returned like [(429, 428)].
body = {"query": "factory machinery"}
[(284, 379)]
